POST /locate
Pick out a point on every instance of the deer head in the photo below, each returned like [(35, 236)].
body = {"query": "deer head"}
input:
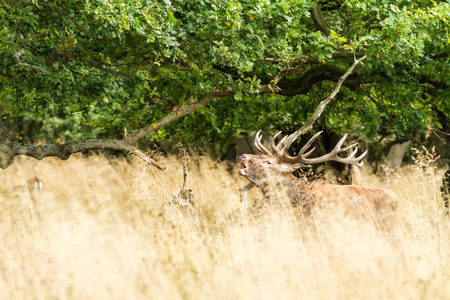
[(268, 167)]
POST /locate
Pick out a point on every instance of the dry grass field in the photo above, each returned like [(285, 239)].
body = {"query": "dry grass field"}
[(98, 231)]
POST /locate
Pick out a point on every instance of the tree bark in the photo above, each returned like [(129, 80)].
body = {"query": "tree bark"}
[(10, 149)]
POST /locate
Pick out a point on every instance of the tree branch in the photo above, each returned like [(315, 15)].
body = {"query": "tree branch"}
[(140, 133), (268, 88), (147, 20), (302, 84), (318, 19), (19, 63), (292, 86), (10, 149), (319, 110)]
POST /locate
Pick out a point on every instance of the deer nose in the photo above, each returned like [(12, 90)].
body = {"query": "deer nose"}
[(242, 158)]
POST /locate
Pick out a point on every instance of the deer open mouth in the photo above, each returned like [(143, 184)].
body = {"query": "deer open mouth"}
[(243, 169)]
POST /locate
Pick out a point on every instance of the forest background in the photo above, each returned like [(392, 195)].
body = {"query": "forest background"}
[(136, 73)]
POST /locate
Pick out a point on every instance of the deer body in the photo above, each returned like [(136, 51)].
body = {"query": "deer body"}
[(272, 173)]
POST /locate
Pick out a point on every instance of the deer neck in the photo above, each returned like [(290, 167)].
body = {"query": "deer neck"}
[(297, 190)]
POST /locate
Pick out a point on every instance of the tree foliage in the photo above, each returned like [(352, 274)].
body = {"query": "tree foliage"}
[(224, 66)]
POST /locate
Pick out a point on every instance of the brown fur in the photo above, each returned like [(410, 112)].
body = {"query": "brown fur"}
[(271, 175)]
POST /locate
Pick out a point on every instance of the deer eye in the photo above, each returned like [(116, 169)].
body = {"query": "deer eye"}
[(268, 162)]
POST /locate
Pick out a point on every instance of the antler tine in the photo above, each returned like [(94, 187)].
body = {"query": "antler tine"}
[(359, 158), (302, 157), (351, 146), (309, 152), (280, 151), (337, 149), (259, 146), (282, 155), (349, 159), (352, 161), (286, 143), (282, 143), (340, 143), (352, 154), (275, 147), (307, 145)]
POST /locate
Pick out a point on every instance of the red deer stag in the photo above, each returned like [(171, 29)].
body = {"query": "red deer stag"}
[(273, 172)]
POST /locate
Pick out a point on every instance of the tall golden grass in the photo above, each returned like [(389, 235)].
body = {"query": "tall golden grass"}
[(97, 231)]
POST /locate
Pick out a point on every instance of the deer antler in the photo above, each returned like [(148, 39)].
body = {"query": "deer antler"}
[(282, 147), (259, 146), (281, 151), (302, 157)]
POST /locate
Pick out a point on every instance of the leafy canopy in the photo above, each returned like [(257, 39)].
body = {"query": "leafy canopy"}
[(109, 65)]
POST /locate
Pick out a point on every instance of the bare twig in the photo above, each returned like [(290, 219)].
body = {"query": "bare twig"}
[(437, 131), (150, 161), (319, 110), (184, 197), (182, 154)]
